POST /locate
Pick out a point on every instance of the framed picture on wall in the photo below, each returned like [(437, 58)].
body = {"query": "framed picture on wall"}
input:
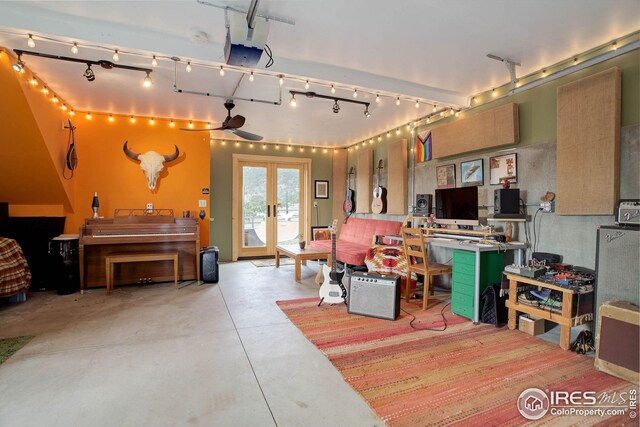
[(446, 176), (503, 168), (321, 189), (472, 173), (320, 232)]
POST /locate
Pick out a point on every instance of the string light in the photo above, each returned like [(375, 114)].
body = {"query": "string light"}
[(63, 107), (72, 113), (388, 134), (251, 77), (313, 149), (55, 99), (74, 48), (377, 99), (333, 89), (474, 100), (111, 119), (614, 46), (89, 116), (154, 61), (435, 108), (45, 90), (147, 81), (221, 71), (544, 73), (293, 103), (398, 101), (289, 148), (398, 131), (172, 124), (324, 150), (306, 85), (132, 119), (251, 145), (281, 80), (264, 146), (451, 111), (34, 81), (493, 92), (417, 104), (277, 147), (152, 121), (355, 93), (223, 142), (116, 57), (30, 42), (457, 113), (188, 68), (190, 125)]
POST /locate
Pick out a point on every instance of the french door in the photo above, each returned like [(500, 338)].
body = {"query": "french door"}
[(271, 203)]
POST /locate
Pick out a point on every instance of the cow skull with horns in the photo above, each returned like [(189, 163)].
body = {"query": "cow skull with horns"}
[(151, 163)]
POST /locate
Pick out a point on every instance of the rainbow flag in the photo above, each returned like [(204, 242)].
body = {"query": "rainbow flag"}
[(423, 146)]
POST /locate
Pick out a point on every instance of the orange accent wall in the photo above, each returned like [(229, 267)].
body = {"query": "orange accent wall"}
[(32, 143), (119, 181), (33, 147)]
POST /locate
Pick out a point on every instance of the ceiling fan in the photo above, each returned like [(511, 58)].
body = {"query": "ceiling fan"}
[(232, 125)]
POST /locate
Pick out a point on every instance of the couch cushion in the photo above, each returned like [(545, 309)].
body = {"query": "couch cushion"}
[(361, 231), (347, 252)]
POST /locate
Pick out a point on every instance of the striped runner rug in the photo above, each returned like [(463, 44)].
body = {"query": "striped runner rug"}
[(468, 375)]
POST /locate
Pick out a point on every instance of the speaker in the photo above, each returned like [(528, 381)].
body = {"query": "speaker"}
[(506, 201), (424, 205), (374, 295), (4, 210), (617, 340), (209, 264), (617, 270)]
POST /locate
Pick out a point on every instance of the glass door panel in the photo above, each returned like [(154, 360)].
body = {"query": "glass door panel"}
[(254, 207), (290, 209)]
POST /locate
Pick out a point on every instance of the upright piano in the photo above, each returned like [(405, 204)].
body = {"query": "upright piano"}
[(134, 233)]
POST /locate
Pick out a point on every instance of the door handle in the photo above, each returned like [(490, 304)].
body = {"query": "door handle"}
[(268, 211), (275, 211)]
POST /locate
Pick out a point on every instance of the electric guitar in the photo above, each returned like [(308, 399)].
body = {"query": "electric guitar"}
[(379, 204), (332, 290), (349, 205)]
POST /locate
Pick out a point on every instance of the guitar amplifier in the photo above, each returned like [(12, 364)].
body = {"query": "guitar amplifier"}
[(617, 340), (374, 295)]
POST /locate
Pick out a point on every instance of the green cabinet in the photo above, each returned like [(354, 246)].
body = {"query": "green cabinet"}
[(464, 274)]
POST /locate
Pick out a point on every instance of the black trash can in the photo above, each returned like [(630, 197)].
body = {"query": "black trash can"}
[(209, 264), (64, 263)]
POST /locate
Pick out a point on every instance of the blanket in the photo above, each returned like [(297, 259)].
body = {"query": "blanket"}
[(15, 276)]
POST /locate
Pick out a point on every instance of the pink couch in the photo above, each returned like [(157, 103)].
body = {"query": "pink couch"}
[(356, 237)]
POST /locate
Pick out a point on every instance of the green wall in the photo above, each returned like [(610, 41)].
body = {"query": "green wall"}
[(536, 108), (222, 184)]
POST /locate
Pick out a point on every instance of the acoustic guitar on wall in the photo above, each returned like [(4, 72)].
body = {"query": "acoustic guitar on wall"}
[(379, 204)]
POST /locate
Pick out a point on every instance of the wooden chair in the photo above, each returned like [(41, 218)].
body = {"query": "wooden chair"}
[(414, 247)]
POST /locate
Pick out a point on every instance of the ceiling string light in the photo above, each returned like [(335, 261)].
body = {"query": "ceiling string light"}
[(74, 48), (116, 57), (335, 99), (30, 42), (154, 61), (251, 78)]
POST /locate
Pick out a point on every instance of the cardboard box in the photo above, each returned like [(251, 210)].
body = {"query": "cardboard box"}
[(531, 325)]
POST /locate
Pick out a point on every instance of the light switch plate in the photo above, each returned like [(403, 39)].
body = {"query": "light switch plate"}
[(202, 203)]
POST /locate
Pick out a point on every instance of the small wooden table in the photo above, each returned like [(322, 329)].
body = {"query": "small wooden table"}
[(301, 256), (566, 320), (111, 260)]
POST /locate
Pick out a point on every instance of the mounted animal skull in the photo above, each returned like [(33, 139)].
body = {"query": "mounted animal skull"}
[(151, 163)]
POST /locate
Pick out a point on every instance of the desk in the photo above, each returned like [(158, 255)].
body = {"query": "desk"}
[(566, 319), (300, 256), (476, 248)]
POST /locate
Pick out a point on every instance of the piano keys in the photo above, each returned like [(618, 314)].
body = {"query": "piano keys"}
[(132, 234)]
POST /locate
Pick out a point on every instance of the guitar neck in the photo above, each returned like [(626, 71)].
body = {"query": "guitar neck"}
[(333, 252)]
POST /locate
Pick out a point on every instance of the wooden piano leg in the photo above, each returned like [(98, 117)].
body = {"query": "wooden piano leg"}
[(81, 261)]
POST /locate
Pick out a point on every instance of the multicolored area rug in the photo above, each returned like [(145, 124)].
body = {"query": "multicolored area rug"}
[(8, 346), (468, 375)]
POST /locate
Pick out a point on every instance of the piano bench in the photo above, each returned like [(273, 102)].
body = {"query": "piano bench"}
[(111, 260)]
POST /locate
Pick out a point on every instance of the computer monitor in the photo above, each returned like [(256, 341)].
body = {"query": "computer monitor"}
[(457, 206)]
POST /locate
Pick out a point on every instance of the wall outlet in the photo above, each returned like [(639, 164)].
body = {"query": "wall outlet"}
[(149, 207), (202, 203), (315, 204), (547, 207)]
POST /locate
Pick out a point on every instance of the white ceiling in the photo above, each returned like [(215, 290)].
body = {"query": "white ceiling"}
[(434, 50)]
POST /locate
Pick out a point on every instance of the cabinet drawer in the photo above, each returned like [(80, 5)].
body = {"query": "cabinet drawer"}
[(462, 300), (462, 310), (464, 278), (464, 257), (463, 288), (459, 267)]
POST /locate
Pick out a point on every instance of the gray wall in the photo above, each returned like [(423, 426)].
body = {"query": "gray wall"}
[(573, 237)]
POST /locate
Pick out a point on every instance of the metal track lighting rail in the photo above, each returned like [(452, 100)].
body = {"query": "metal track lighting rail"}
[(335, 99), (89, 75)]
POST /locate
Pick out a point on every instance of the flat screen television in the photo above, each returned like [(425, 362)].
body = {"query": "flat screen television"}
[(457, 206)]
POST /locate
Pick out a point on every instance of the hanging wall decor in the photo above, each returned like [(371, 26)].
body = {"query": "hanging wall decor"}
[(503, 168), (472, 173), (423, 146)]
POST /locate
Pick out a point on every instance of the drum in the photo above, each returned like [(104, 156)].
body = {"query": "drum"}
[(65, 266)]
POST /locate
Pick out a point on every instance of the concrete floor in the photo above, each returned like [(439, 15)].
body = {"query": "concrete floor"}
[(215, 355)]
